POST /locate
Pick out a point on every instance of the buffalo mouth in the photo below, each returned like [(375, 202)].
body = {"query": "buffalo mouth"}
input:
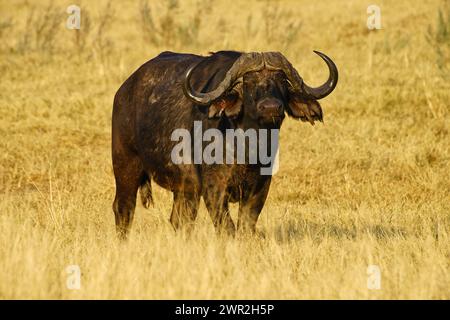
[(271, 120)]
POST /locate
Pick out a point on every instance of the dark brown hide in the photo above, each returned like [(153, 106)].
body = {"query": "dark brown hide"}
[(151, 104)]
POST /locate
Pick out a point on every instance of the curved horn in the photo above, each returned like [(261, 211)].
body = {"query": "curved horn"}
[(245, 63), (329, 85), (276, 60), (200, 98)]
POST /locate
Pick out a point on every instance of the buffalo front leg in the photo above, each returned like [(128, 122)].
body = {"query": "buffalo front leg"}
[(184, 210), (128, 173), (251, 204), (216, 201)]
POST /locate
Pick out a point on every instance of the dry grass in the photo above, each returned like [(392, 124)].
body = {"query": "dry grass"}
[(370, 186)]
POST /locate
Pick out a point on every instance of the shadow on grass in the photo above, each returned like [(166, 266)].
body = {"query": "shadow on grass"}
[(298, 230)]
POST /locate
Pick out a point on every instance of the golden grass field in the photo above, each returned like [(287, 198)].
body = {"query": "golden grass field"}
[(370, 186)]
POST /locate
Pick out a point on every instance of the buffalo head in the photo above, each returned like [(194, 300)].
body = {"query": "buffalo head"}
[(261, 88)]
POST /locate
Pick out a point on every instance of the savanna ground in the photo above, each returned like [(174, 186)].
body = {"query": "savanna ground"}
[(369, 187)]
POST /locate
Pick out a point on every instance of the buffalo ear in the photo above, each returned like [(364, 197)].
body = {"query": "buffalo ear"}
[(230, 104), (304, 109)]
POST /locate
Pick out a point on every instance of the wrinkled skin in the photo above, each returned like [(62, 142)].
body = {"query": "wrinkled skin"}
[(150, 105)]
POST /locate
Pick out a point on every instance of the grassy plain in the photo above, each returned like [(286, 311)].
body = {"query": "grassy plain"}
[(369, 187)]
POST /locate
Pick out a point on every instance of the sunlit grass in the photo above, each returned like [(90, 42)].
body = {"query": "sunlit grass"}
[(369, 187)]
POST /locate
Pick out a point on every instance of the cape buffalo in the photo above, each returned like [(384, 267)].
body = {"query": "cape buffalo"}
[(225, 90)]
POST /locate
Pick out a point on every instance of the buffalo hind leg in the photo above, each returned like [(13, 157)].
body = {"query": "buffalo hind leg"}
[(184, 210), (128, 174)]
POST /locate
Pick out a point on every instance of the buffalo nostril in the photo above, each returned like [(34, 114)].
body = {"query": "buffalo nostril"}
[(270, 106)]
